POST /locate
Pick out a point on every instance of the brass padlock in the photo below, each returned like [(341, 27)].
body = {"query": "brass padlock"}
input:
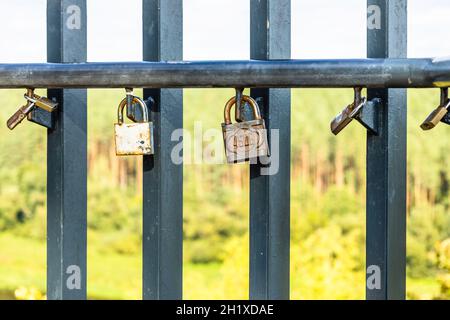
[(438, 114), (342, 119), (42, 102), (247, 139), (348, 114), (34, 102), (133, 138)]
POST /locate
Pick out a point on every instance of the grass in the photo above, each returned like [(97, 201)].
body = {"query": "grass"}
[(116, 276), (110, 275), (22, 263), (423, 289)]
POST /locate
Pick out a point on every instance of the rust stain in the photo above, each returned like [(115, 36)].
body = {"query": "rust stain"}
[(133, 139)]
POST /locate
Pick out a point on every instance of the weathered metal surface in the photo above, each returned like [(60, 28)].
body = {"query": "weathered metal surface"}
[(270, 38), (162, 237), (42, 102), (42, 117), (439, 113), (33, 102), (347, 115), (435, 117), (67, 158), (134, 110), (368, 116), (245, 140), (372, 73), (19, 115), (133, 138), (386, 158)]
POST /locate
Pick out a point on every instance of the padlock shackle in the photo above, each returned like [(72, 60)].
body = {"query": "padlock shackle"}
[(30, 92), (123, 103), (357, 96), (444, 96), (230, 103)]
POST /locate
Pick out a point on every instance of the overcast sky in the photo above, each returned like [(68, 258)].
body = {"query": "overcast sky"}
[(320, 29)]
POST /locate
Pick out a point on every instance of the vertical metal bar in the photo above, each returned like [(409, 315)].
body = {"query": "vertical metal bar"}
[(67, 158), (270, 186), (386, 160), (162, 178)]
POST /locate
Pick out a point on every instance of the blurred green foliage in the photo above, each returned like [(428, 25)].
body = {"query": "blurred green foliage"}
[(327, 201), (442, 258)]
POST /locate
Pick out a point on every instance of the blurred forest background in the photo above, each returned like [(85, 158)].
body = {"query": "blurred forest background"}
[(327, 206)]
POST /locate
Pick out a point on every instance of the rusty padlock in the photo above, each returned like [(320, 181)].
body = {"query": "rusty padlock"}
[(34, 103), (348, 114), (439, 113), (42, 102), (247, 139), (133, 138)]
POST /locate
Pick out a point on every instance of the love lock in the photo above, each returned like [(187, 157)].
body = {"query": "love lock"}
[(438, 114), (133, 138), (37, 109), (365, 112), (247, 139)]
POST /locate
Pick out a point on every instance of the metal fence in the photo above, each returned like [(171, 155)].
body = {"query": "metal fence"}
[(269, 74)]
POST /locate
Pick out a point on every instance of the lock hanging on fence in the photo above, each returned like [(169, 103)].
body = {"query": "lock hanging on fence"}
[(247, 139), (348, 114), (439, 113), (366, 112), (133, 138), (33, 102)]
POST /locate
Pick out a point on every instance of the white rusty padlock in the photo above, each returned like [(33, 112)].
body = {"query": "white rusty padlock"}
[(133, 138)]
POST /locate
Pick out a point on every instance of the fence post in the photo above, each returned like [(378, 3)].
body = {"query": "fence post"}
[(162, 178), (386, 160), (67, 158), (270, 193)]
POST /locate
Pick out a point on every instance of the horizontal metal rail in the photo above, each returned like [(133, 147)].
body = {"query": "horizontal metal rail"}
[(370, 73)]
